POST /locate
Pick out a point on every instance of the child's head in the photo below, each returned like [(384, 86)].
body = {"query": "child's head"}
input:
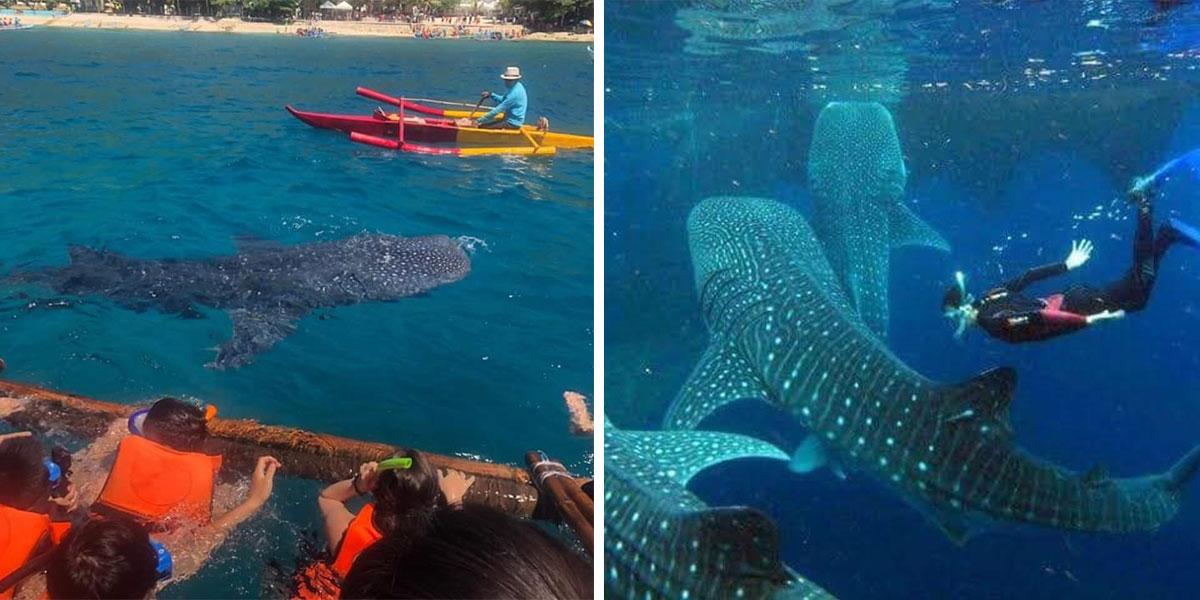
[(471, 552), (24, 479), (401, 493), (103, 558), (176, 425)]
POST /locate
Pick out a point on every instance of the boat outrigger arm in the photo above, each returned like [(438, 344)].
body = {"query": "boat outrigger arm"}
[(309, 455)]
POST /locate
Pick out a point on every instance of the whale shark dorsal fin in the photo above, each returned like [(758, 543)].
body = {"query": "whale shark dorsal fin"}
[(679, 455), (984, 398), (907, 229), (722, 376)]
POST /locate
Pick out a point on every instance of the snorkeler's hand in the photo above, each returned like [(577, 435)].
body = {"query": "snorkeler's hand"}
[(13, 436), (485, 94), (263, 480), (454, 485), (1081, 251), (69, 502), (368, 477), (9, 406)]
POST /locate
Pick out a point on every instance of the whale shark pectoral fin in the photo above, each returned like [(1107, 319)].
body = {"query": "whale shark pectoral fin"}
[(955, 527), (907, 229), (984, 398), (722, 376), (679, 455), (253, 332), (809, 456)]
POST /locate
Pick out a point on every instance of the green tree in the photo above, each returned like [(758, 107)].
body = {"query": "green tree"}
[(274, 10)]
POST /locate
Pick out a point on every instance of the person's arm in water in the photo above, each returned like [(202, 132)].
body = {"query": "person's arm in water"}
[(333, 499), (1081, 251), (262, 481)]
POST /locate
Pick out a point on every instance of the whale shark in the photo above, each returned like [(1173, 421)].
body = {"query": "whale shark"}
[(661, 541), (267, 287), (783, 331), (856, 181)]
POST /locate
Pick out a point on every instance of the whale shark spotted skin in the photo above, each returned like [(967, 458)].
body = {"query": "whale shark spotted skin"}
[(661, 541), (856, 178), (267, 287), (783, 331)]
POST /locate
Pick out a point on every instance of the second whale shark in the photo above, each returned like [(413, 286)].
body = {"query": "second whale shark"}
[(782, 331)]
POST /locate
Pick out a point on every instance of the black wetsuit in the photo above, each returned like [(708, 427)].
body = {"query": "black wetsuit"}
[(1008, 315)]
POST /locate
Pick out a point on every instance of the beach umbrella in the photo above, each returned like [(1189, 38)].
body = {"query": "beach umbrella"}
[(586, 23), (343, 5)]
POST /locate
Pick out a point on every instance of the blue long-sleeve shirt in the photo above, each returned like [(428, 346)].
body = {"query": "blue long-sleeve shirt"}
[(512, 104)]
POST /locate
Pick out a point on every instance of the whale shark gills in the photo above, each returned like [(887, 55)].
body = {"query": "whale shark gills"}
[(661, 541), (856, 179), (782, 331), (267, 287)]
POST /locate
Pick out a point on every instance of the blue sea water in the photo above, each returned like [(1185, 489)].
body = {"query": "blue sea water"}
[(174, 144), (1022, 124)]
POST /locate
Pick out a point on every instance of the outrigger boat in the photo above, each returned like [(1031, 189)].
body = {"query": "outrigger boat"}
[(417, 124)]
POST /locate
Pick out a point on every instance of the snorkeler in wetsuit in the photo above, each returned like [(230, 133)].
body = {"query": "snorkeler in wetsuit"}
[(1008, 314)]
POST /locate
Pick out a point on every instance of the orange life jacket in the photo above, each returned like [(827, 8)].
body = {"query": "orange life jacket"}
[(359, 536), (150, 481), (23, 535)]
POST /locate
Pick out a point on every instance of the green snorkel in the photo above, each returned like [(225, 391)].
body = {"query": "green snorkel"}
[(402, 462)]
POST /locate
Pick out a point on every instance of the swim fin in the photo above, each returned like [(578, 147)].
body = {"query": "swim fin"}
[(1189, 161), (1184, 233)]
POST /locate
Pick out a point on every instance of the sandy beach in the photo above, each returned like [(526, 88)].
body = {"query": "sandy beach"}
[(337, 28)]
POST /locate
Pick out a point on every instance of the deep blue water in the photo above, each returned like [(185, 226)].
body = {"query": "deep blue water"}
[(1009, 172), (171, 145)]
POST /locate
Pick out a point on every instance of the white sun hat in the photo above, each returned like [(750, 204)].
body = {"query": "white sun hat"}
[(511, 73)]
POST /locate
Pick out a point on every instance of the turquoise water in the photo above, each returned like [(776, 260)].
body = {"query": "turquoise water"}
[(171, 145)]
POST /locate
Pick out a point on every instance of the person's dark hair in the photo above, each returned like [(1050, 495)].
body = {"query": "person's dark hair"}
[(24, 480), (176, 425), (405, 497), (103, 558), (470, 552), (952, 299)]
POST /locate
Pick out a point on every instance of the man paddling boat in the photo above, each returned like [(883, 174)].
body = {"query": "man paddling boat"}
[(512, 104)]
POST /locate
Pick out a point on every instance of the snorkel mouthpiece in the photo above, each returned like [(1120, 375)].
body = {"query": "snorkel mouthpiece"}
[(403, 462), (165, 564)]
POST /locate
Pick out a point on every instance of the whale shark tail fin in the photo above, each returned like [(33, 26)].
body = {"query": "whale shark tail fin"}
[(1183, 471)]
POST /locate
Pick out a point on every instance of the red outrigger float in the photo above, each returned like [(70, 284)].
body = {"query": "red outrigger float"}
[(401, 130)]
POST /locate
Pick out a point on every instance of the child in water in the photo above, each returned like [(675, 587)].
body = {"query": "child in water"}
[(33, 515), (406, 490)]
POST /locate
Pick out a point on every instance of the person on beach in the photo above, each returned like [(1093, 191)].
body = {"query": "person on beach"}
[(406, 489), (512, 104)]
